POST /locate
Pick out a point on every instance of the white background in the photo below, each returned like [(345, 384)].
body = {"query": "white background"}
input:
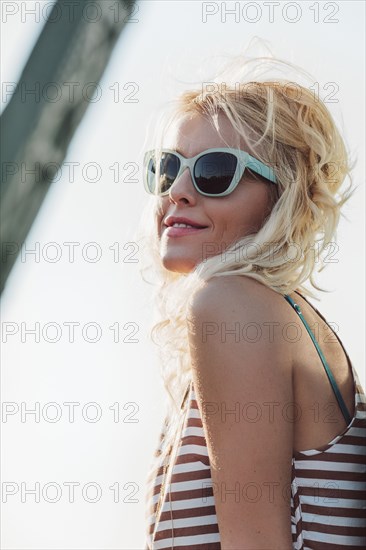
[(164, 52)]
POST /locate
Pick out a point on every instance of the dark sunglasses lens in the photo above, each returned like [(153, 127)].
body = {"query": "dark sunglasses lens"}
[(150, 175), (214, 172), (169, 168)]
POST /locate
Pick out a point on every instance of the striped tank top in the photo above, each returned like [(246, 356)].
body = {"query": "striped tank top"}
[(328, 484)]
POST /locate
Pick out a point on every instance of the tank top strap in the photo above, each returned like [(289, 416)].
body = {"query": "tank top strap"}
[(332, 381)]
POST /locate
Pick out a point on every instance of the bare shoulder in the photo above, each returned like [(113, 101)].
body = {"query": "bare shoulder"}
[(235, 326), (235, 287), (242, 298)]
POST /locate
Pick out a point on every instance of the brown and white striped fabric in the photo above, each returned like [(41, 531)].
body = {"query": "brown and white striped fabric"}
[(328, 490), (328, 503)]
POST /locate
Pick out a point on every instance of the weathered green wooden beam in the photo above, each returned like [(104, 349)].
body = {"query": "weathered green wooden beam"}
[(46, 107)]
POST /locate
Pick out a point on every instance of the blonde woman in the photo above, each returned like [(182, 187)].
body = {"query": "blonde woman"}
[(263, 446)]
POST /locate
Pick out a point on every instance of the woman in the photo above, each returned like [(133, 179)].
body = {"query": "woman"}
[(263, 446)]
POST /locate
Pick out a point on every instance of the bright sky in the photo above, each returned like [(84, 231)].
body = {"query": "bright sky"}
[(166, 50)]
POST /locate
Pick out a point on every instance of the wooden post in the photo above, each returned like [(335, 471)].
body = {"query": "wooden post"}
[(72, 50)]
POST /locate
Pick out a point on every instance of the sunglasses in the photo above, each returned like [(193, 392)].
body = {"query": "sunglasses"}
[(214, 172)]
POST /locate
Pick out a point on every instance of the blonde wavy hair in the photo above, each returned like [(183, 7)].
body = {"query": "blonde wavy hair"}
[(290, 129)]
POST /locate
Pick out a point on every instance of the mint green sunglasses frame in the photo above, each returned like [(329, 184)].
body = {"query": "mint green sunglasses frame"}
[(244, 161)]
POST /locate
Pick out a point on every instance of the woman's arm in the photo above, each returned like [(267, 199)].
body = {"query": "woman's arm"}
[(242, 372)]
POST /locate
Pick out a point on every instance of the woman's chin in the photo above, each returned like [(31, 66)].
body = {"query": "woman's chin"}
[(178, 265)]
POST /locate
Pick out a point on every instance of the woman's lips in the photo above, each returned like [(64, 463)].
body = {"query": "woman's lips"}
[(182, 231)]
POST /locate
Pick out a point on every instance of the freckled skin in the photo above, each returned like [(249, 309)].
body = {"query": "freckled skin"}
[(228, 218)]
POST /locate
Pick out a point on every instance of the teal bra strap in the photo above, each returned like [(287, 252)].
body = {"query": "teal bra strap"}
[(337, 393)]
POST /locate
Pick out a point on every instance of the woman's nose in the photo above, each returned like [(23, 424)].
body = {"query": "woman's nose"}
[(183, 186)]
